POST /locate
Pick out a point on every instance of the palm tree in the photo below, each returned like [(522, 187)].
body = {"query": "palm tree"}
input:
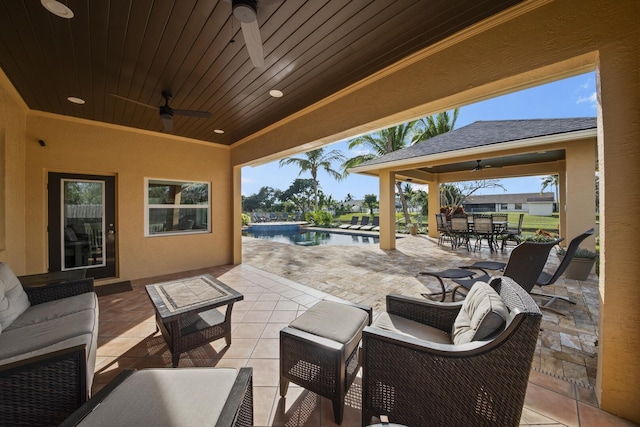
[(314, 162), (550, 181), (381, 143), (398, 137), (436, 125)]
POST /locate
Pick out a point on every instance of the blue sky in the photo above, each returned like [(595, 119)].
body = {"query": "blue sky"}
[(572, 97)]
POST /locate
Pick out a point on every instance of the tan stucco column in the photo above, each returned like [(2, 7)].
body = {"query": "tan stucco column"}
[(434, 207), (580, 202), (619, 157), (236, 220), (562, 203), (387, 210)]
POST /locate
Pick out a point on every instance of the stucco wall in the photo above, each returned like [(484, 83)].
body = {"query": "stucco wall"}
[(85, 147), (12, 164)]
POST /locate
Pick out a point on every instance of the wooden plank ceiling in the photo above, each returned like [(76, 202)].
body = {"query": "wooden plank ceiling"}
[(195, 49)]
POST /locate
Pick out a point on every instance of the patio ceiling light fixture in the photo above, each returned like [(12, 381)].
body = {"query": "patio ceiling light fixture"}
[(276, 93), (75, 100), (57, 8)]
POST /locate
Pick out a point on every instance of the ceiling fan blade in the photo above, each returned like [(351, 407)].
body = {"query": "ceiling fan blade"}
[(134, 101), (193, 113), (167, 124), (253, 41)]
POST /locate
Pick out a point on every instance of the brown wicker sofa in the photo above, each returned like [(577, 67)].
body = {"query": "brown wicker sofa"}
[(421, 381), (48, 343)]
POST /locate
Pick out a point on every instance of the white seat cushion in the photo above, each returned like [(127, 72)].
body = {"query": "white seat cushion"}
[(410, 328), (166, 397)]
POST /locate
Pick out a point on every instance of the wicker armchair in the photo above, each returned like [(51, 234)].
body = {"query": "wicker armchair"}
[(420, 383), (45, 389)]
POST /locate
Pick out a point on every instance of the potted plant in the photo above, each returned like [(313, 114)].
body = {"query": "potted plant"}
[(581, 264)]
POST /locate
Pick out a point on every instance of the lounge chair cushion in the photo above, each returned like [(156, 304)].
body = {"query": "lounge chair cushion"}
[(409, 328), (13, 298), (483, 313), (336, 321)]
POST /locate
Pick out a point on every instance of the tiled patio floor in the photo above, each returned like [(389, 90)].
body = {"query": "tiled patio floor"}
[(128, 339)]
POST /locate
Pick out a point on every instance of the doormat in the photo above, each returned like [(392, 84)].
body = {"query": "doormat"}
[(113, 288)]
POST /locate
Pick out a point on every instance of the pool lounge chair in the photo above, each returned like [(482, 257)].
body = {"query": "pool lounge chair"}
[(354, 221), (374, 223), (363, 222)]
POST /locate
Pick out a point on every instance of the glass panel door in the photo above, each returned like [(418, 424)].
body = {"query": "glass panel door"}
[(83, 224)]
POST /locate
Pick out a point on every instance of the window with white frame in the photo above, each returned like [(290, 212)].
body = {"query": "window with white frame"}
[(176, 207)]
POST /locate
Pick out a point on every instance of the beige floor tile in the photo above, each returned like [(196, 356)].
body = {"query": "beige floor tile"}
[(267, 348), (266, 372), (553, 405)]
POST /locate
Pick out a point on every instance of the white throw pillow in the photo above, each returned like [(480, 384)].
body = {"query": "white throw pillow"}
[(13, 298), (483, 312)]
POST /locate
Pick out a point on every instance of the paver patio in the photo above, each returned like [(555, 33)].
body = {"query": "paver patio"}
[(128, 338), (365, 274)]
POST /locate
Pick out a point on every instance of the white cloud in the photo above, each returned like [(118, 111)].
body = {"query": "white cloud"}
[(591, 99)]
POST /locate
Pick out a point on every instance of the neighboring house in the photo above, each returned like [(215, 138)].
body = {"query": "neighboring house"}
[(531, 203)]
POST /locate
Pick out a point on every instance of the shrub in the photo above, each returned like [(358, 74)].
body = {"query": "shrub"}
[(319, 218), (246, 219), (580, 253)]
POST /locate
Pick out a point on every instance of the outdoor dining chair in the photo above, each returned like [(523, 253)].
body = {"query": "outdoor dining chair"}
[(444, 231), (483, 229), (460, 231), (513, 234)]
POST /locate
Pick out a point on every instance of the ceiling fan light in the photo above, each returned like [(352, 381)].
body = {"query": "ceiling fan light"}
[(75, 100), (57, 8), (245, 10)]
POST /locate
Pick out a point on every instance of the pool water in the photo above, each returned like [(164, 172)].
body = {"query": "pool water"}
[(312, 238)]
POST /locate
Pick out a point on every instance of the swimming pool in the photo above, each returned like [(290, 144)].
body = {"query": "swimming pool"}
[(312, 238)]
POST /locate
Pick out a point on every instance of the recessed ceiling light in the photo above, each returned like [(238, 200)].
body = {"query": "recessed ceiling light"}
[(75, 100), (57, 8), (276, 93), (219, 131)]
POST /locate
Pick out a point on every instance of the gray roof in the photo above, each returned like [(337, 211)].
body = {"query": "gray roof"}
[(510, 198), (483, 133)]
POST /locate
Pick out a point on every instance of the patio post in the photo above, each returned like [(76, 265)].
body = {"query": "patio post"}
[(387, 210), (434, 207)]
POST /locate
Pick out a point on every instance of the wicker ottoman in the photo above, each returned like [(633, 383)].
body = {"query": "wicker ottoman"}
[(319, 350)]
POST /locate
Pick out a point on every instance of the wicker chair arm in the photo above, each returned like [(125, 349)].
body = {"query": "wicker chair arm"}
[(439, 315), (45, 389), (38, 294)]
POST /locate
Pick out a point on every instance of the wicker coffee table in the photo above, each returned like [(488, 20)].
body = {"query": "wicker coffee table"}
[(187, 315)]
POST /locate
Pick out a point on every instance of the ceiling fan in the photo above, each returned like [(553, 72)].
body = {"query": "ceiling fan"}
[(166, 112), (246, 11), (479, 167)]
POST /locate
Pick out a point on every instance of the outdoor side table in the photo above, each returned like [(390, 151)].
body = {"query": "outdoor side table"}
[(187, 315), (451, 273)]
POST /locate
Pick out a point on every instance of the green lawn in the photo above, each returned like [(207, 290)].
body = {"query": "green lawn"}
[(530, 223)]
